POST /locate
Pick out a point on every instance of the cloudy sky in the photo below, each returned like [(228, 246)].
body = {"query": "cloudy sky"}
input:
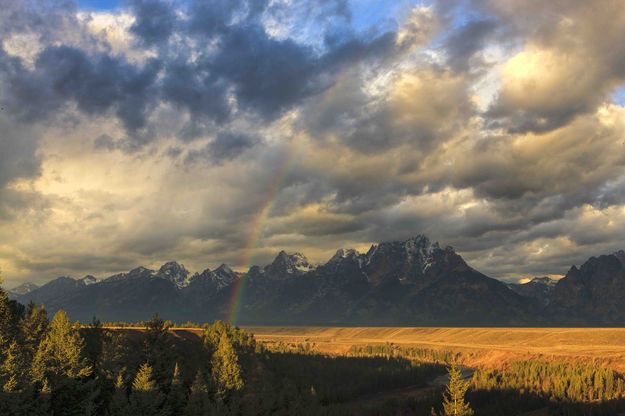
[(209, 131)]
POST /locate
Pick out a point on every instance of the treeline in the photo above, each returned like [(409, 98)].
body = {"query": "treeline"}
[(59, 368), (557, 381), (56, 367), (170, 324), (562, 389), (412, 353)]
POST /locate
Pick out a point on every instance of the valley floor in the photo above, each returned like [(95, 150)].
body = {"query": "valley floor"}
[(489, 347)]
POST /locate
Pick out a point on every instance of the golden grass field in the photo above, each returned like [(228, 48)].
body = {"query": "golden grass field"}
[(479, 346)]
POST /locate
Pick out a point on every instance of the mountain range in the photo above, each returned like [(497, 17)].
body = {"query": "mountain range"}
[(412, 282)]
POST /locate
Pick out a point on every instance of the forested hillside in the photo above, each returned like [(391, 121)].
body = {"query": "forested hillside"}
[(56, 367)]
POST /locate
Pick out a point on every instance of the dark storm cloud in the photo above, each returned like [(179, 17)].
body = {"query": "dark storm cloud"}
[(267, 75), (18, 145), (383, 131), (96, 84), (197, 91), (225, 146), (47, 17), (213, 17), (154, 20), (468, 39), (230, 145)]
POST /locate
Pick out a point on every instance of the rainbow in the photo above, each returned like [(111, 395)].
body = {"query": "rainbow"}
[(255, 234)]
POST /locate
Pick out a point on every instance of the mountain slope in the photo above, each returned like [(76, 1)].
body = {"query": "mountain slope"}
[(592, 294), (411, 282), (22, 289)]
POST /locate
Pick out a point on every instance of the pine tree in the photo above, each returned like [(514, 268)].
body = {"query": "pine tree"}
[(177, 395), (119, 402), (158, 350), (144, 380), (145, 399), (15, 369), (60, 365), (7, 329), (198, 403), (60, 354), (453, 402), (33, 328), (225, 367)]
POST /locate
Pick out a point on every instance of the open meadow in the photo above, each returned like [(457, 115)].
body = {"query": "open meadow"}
[(489, 347)]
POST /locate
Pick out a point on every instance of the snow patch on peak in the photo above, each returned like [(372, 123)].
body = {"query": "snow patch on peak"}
[(89, 280), (223, 276), (294, 263), (348, 254), (344, 254), (301, 263), (24, 288), (175, 273), (419, 250)]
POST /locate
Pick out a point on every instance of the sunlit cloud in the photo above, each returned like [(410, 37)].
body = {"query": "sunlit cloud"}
[(153, 131)]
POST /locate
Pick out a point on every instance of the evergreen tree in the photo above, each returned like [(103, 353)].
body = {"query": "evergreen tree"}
[(225, 367), (15, 369), (177, 395), (198, 403), (119, 402), (33, 328), (212, 335), (145, 399), (158, 351), (144, 380), (453, 402), (7, 328), (60, 365), (60, 354)]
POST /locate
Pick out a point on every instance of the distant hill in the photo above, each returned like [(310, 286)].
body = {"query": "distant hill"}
[(411, 282)]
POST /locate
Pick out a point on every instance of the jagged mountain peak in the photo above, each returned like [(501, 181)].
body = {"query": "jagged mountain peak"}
[(24, 288), (224, 276), (620, 254), (89, 280), (135, 273), (224, 268), (215, 280), (206, 273), (287, 265), (419, 244), (346, 254), (172, 268), (175, 273), (408, 260), (413, 281)]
